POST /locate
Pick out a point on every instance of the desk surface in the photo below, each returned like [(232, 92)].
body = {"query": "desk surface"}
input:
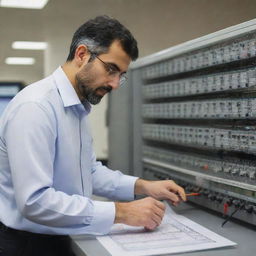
[(242, 235)]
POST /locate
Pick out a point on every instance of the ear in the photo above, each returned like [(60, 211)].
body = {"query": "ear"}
[(82, 55)]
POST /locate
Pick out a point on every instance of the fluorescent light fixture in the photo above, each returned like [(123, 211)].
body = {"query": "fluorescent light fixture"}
[(19, 61), (26, 4), (27, 45)]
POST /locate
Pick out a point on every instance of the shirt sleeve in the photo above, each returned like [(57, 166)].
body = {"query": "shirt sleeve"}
[(30, 139), (112, 184)]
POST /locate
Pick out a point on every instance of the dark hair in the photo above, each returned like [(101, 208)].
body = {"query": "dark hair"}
[(99, 33)]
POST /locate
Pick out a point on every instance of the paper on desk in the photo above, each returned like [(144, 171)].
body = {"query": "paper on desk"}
[(176, 234)]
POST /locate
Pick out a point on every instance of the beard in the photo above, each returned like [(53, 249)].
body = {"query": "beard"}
[(86, 85)]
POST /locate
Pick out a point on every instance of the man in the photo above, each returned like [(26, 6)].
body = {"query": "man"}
[(48, 170)]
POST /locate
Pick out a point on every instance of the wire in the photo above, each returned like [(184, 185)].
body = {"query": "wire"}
[(231, 215)]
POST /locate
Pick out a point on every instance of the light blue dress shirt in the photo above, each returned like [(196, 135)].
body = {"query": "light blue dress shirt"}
[(48, 170)]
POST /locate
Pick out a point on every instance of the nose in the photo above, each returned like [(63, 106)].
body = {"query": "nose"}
[(114, 82)]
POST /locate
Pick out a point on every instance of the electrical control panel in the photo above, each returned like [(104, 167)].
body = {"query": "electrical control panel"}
[(195, 119)]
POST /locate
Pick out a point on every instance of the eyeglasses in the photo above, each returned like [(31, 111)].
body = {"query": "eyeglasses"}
[(113, 71)]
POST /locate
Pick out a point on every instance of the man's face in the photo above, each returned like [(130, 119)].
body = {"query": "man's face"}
[(94, 80)]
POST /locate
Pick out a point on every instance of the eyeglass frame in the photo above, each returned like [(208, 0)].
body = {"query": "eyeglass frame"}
[(111, 71)]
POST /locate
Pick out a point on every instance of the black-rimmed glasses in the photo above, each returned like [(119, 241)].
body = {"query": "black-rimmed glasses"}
[(113, 71)]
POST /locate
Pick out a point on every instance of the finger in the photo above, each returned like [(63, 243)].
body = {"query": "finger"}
[(181, 193), (174, 198), (151, 225), (160, 205), (174, 203), (178, 190), (159, 212), (157, 219)]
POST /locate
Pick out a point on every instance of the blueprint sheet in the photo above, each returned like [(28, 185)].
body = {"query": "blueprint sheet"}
[(176, 234)]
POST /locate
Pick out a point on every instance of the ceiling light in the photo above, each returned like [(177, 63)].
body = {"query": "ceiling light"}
[(19, 61), (27, 4), (29, 45)]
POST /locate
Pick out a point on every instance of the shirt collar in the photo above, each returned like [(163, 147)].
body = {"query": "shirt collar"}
[(67, 92)]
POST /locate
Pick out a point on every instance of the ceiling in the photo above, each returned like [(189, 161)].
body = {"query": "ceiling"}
[(57, 21), (156, 24)]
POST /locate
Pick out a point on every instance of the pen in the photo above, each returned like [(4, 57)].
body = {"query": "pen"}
[(193, 194)]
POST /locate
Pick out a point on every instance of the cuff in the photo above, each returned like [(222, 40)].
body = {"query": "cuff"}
[(103, 217), (125, 190)]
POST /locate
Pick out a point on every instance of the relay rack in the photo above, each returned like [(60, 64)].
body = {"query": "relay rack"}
[(195, 119)]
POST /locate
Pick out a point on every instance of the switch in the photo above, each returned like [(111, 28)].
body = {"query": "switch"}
[(227, 170), (243, 173), (252, 175), (194, 188), (197, 189), (248, 208), (234, 171), (212, 197), (188, 188), (236, 203), (217, 169), (219, 198)]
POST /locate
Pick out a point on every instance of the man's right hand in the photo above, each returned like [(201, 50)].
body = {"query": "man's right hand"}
[(147, 212)]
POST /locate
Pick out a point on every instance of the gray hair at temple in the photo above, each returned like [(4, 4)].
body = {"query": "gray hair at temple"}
[(93, 46)]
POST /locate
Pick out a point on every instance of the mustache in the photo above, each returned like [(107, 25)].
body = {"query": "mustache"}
[(106, 88)]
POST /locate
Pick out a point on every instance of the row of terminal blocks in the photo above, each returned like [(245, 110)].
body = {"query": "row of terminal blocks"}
[(220, 198), (218, 201), (226, 81), (235, 169), (215, 55), (203, 137), (202, 109)]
